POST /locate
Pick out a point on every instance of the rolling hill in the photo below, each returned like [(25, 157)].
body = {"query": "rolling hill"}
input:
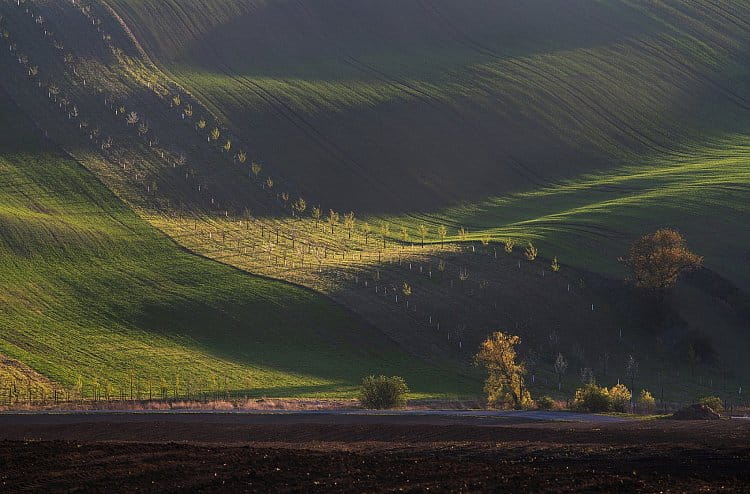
[(396, 106), (91, 292), (577, 125), (568, 122)]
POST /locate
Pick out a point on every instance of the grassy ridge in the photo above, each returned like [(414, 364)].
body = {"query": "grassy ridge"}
[(578, 124), (425, 104), (586, 221), (90, 290)]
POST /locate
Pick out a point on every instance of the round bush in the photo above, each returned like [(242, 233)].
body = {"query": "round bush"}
[(713, 402), (545, 403), (646, 402), (379, 392), (619, 396), (592, 398)]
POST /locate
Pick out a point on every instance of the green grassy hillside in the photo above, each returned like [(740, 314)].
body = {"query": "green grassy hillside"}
[(418, 104), (579, 124), (88, 289)]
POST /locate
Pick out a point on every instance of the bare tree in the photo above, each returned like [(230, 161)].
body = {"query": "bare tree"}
[(132, 118), (631, 370), (586, 375), (143, 129), (604, 358), (366, 230), (561, 366), (385, 230), (53, 90)]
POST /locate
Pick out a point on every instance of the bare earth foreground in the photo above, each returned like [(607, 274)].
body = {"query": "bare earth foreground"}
[(363, 452)]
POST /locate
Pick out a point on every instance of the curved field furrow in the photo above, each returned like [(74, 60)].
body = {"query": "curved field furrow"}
[(575, 125)]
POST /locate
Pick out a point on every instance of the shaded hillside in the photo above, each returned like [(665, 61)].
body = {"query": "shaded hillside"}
[(88, 289), (390, 106)]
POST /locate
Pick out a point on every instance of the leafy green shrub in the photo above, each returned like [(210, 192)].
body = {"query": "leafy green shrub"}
[(545, 403), (619, 396), (713, 402), (646, 402), (592, 398), (383, 392)]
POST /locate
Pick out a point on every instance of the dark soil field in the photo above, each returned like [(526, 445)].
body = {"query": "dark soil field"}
[(282, 455)]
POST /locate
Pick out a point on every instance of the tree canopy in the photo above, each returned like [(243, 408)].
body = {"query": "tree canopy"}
[(505, 377), (656, 260)]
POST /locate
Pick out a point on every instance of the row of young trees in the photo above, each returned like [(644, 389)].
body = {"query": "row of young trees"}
[(653, 273), (298, 207)]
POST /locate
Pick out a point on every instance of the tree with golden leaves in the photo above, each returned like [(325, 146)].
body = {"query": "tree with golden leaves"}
[(333, 219), (442, 232), (406, 289), (423, 232), (531, 252), (300, 205), (316, 213), (555, 266), (404, 234), (505, 384), (657, 260), (349, 222)]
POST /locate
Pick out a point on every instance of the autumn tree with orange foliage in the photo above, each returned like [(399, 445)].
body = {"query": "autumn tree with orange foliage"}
[(505, 383), (656, 261)]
